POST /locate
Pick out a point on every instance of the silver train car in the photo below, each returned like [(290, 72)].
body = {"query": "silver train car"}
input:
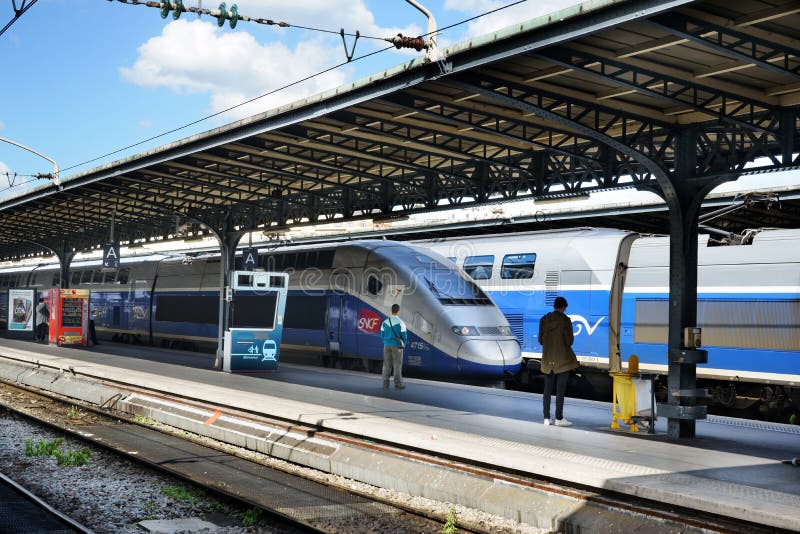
[(338, 297), (617, 285)]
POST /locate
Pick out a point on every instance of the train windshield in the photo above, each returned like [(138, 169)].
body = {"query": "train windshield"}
[(443, 280), (451, 288)]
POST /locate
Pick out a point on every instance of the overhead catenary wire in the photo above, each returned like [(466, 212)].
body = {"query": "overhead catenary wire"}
[(35, 177), (282, 88), (232, 16), (18, 12)]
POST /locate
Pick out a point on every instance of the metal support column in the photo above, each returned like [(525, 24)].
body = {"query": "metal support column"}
[(228, 239), (788, 118), (684, 201), (65, 257)]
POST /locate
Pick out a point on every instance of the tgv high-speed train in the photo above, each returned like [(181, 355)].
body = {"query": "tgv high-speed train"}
[(338, 297), (617, 285)]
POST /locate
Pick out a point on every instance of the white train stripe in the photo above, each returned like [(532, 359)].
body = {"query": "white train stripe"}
[(704, 289), (539, 287), (702, 372)]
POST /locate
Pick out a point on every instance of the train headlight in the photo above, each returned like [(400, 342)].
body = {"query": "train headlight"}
[(465, 330), (505, 330)]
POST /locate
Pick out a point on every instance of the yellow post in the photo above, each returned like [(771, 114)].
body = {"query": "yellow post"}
[(623, 405)]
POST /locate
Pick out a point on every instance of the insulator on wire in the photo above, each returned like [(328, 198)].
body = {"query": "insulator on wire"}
[(400, 41), (272, 22), (179, 9)]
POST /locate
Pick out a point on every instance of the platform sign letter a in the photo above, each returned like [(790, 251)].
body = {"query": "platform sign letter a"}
[(249, 258), (110, 255)]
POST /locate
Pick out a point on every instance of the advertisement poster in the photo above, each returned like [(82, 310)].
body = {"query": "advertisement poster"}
[(20, 309)]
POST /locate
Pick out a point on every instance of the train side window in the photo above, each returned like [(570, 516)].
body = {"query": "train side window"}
[(56, 281), (518, 265), (75, 278), (374, 286), (479, 267)]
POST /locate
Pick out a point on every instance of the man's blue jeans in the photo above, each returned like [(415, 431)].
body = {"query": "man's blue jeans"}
[(561, 388)]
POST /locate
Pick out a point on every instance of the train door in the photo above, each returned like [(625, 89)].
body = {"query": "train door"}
[(334, 328), (348, 324), (370, 317), (615, 303)]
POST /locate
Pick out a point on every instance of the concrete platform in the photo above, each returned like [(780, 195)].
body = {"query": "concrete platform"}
[(732, 469)]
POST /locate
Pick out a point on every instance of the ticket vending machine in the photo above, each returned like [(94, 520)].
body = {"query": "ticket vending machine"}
[(69, 316), (253, 339)]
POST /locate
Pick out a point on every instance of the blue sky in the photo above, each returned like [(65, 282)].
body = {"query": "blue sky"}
[(84, 78)]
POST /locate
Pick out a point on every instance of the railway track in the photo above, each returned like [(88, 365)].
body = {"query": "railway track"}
[(22, 511), (306, 505), (660, 517)]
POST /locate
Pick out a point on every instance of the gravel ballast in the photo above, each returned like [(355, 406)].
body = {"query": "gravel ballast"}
[(113, 494)]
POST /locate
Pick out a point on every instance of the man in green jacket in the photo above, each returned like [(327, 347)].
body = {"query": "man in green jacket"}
[(558, 359)]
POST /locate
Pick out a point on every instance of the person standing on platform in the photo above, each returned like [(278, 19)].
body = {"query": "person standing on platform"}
[(558, 358), (42, 317), (395, 337), (92, 331)]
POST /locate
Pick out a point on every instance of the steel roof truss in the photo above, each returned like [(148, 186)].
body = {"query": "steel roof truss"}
[(481, 122), (177, 195), (260, 160), (217, 191), (565, 108), (441, 140), (289, 184), (741, 46), (660, 86), (340, 161)]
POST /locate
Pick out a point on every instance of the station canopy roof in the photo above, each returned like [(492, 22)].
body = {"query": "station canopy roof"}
[(587, 99)]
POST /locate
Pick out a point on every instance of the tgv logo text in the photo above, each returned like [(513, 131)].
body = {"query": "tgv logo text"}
[(579, 323), (369, 322)]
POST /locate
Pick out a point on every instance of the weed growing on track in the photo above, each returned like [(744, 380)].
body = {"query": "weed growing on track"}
[(180, 494), (144, 420), (73, 458), (151, 508), (43, 448), (217, 506), (251, 517), (450, 525)]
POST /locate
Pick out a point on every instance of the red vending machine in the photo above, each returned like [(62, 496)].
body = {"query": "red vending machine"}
[(69, 316)]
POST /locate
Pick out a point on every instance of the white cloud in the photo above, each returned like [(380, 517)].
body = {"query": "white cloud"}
[(195, 56), (145, 124), (2, 126), (506, 17)]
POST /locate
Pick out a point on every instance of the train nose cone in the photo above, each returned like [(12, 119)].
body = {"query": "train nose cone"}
[(512, 354), (489, 357)]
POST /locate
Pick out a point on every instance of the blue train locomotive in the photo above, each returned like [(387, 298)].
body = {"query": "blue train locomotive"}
[(338, 296)]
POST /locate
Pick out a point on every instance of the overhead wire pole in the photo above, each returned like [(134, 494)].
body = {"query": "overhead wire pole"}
[(56, 178), (18, 12), (432, 53)]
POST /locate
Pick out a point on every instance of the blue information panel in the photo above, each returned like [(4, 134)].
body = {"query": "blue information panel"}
[(258, 302), (252, 350)]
